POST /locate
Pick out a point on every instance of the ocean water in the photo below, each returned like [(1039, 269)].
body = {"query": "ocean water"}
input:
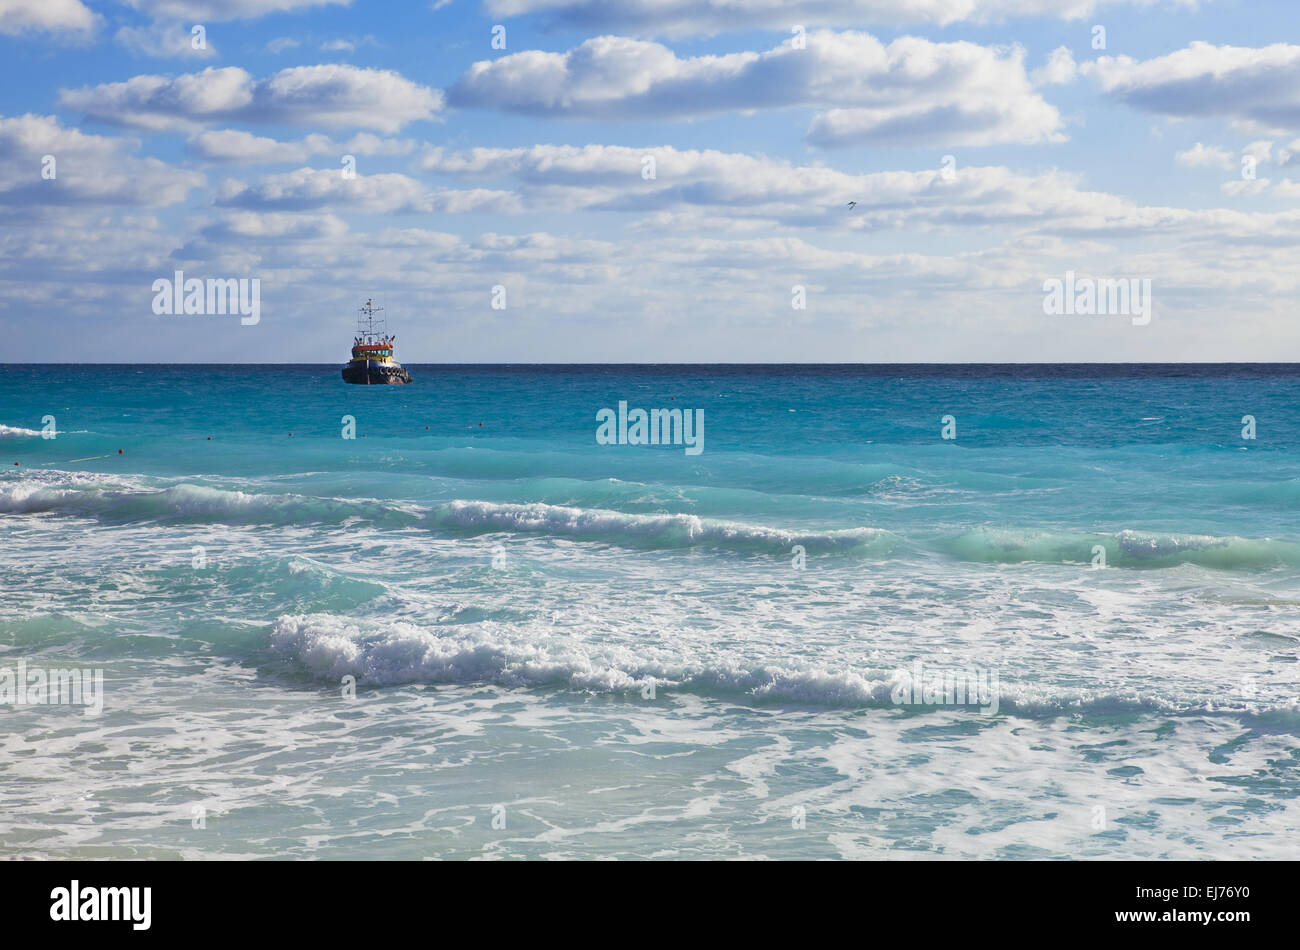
[(568, 649)]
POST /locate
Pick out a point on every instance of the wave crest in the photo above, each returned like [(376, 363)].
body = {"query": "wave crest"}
[(1128, 548), (18, 432), (386, 653), (666, 530)]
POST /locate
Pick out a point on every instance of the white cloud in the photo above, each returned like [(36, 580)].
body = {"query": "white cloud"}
[(737, 187), (697, 191), (65, 17), (1059, 69), (334, 95), (1200, 155), (245, 226), (282, 43), (348, 46), (164, 40), (313, 189), (911, 91), (1260, 151), (310, 189), (1239, 187), (681, 296), (1259, 87), (236, 146), (88, 169)]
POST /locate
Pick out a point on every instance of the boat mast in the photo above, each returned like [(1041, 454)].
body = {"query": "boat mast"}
[(366, 322)]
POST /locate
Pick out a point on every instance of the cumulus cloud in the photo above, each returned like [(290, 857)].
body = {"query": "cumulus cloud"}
[(679, 296), (695, 261), (316, 189), (87, 169), (1261, 151), (309, 189), (1201, 155), (710, 190), (1243, 186), (68, 18), (333, 95), (271, 227), (676, 18), (911, 91), (1059, 69), (1259, 87), (740, 187)]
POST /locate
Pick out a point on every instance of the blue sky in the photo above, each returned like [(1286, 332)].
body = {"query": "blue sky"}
[(524, 167)]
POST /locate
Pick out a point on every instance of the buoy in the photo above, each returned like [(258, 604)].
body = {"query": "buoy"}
[(119, 451), (209, 438), (15, 463)]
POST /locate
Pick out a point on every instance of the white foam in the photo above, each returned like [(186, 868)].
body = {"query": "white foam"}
[(668, 529), (16, 432)]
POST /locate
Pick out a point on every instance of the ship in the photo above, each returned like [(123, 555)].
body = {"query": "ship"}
[(372, 360)]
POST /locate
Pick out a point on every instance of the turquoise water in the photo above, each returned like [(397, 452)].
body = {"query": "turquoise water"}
[(567, 649)]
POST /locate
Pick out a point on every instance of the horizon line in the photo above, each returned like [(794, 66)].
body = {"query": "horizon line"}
[(335, 364)]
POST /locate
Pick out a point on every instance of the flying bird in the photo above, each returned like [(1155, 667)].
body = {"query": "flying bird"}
[(852, 205)]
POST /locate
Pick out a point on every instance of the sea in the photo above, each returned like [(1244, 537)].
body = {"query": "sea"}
[(902, 612)]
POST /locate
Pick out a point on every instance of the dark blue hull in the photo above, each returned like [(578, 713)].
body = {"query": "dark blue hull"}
[(375, 374)]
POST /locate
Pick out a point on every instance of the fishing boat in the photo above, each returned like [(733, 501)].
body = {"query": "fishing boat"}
[(372, 360)]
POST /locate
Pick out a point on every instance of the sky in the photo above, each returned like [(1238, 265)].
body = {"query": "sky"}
[(651, 180)]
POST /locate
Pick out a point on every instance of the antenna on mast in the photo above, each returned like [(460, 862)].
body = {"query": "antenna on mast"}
[(367, 325)]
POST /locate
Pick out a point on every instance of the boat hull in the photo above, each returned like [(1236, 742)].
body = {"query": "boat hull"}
[(375, 374)]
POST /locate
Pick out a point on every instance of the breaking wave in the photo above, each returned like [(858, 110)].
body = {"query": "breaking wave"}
[(121, 499), (386, 653), (665, 530), (1128, 548), (17, 432), (125, 501)]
